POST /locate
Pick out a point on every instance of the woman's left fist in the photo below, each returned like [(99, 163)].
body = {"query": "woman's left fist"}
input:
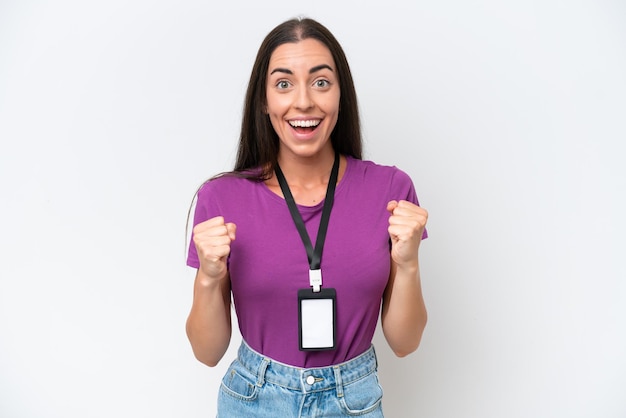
[(406, 226)]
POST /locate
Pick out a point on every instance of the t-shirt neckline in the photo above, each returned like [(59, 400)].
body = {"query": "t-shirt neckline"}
[(320, 204)]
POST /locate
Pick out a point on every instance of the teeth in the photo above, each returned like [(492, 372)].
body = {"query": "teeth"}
[(304, 123)]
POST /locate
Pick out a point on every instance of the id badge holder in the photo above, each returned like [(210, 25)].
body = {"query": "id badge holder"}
[(317, 319)]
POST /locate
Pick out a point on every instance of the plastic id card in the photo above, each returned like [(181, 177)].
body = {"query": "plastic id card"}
[(317, 319)]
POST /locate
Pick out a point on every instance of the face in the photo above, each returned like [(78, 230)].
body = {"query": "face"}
[(303, 97)]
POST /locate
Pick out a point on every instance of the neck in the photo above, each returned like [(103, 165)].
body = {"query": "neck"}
[(307, 177), (307, 172)]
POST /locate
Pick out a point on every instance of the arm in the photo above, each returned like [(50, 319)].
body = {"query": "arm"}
[(209, 323), (404, 312)]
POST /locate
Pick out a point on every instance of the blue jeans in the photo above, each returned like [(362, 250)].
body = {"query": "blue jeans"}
[(257, 386)]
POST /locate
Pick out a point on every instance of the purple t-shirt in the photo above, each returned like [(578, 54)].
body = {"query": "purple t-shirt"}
[(268, 262)]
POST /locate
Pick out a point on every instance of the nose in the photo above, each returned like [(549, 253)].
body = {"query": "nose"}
[(303, 99)]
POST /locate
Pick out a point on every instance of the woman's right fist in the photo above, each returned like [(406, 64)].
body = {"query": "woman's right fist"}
[(212, 239)]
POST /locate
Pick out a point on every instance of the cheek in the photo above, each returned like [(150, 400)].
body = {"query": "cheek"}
[(331, 108), (331, 104), (276, 105), (277, 122)]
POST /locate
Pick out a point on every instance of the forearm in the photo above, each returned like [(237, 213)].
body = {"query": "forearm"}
[(209, 322), (404, 312)]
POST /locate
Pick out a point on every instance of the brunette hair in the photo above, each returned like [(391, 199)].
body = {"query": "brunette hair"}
[(257, 154), (258, 142)]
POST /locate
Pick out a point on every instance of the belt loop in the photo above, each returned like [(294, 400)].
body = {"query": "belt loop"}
[(338, 381), (261, 372)]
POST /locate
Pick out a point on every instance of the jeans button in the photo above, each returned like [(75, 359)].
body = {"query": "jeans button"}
[(310, 380)]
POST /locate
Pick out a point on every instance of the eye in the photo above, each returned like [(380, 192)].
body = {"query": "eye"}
[(282, 84), (322, 84)]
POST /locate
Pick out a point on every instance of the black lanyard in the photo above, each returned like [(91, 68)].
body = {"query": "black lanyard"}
[(314, 256)]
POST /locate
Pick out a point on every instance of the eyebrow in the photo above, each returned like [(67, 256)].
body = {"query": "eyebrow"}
[(311, 71), (320, 67)]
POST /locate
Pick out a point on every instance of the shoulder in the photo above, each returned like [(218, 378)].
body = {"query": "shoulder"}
[(225, 184), (225, 192), (385, 181), (378, 173)]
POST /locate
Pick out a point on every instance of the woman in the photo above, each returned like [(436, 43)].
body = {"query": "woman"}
[(310, 240)]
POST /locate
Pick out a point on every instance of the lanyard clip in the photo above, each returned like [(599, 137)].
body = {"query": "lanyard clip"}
[(315, 279)]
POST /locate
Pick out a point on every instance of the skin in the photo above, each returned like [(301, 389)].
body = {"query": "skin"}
[(302, 86)]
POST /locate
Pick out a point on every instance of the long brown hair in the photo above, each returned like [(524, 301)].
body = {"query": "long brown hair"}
[(258, 142), (257, 155)]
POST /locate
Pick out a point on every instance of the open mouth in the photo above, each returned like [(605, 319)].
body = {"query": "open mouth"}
[(304, 126)]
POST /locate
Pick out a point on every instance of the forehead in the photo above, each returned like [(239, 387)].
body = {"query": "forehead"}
[(305, 54)]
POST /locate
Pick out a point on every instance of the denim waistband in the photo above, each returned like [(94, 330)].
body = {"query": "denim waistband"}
[(306, 380)]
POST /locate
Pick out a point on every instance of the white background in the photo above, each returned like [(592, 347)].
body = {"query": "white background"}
[(509, 117)]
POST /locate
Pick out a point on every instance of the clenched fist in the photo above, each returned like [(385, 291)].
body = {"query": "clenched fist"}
[(212, 239), (406, 226)]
